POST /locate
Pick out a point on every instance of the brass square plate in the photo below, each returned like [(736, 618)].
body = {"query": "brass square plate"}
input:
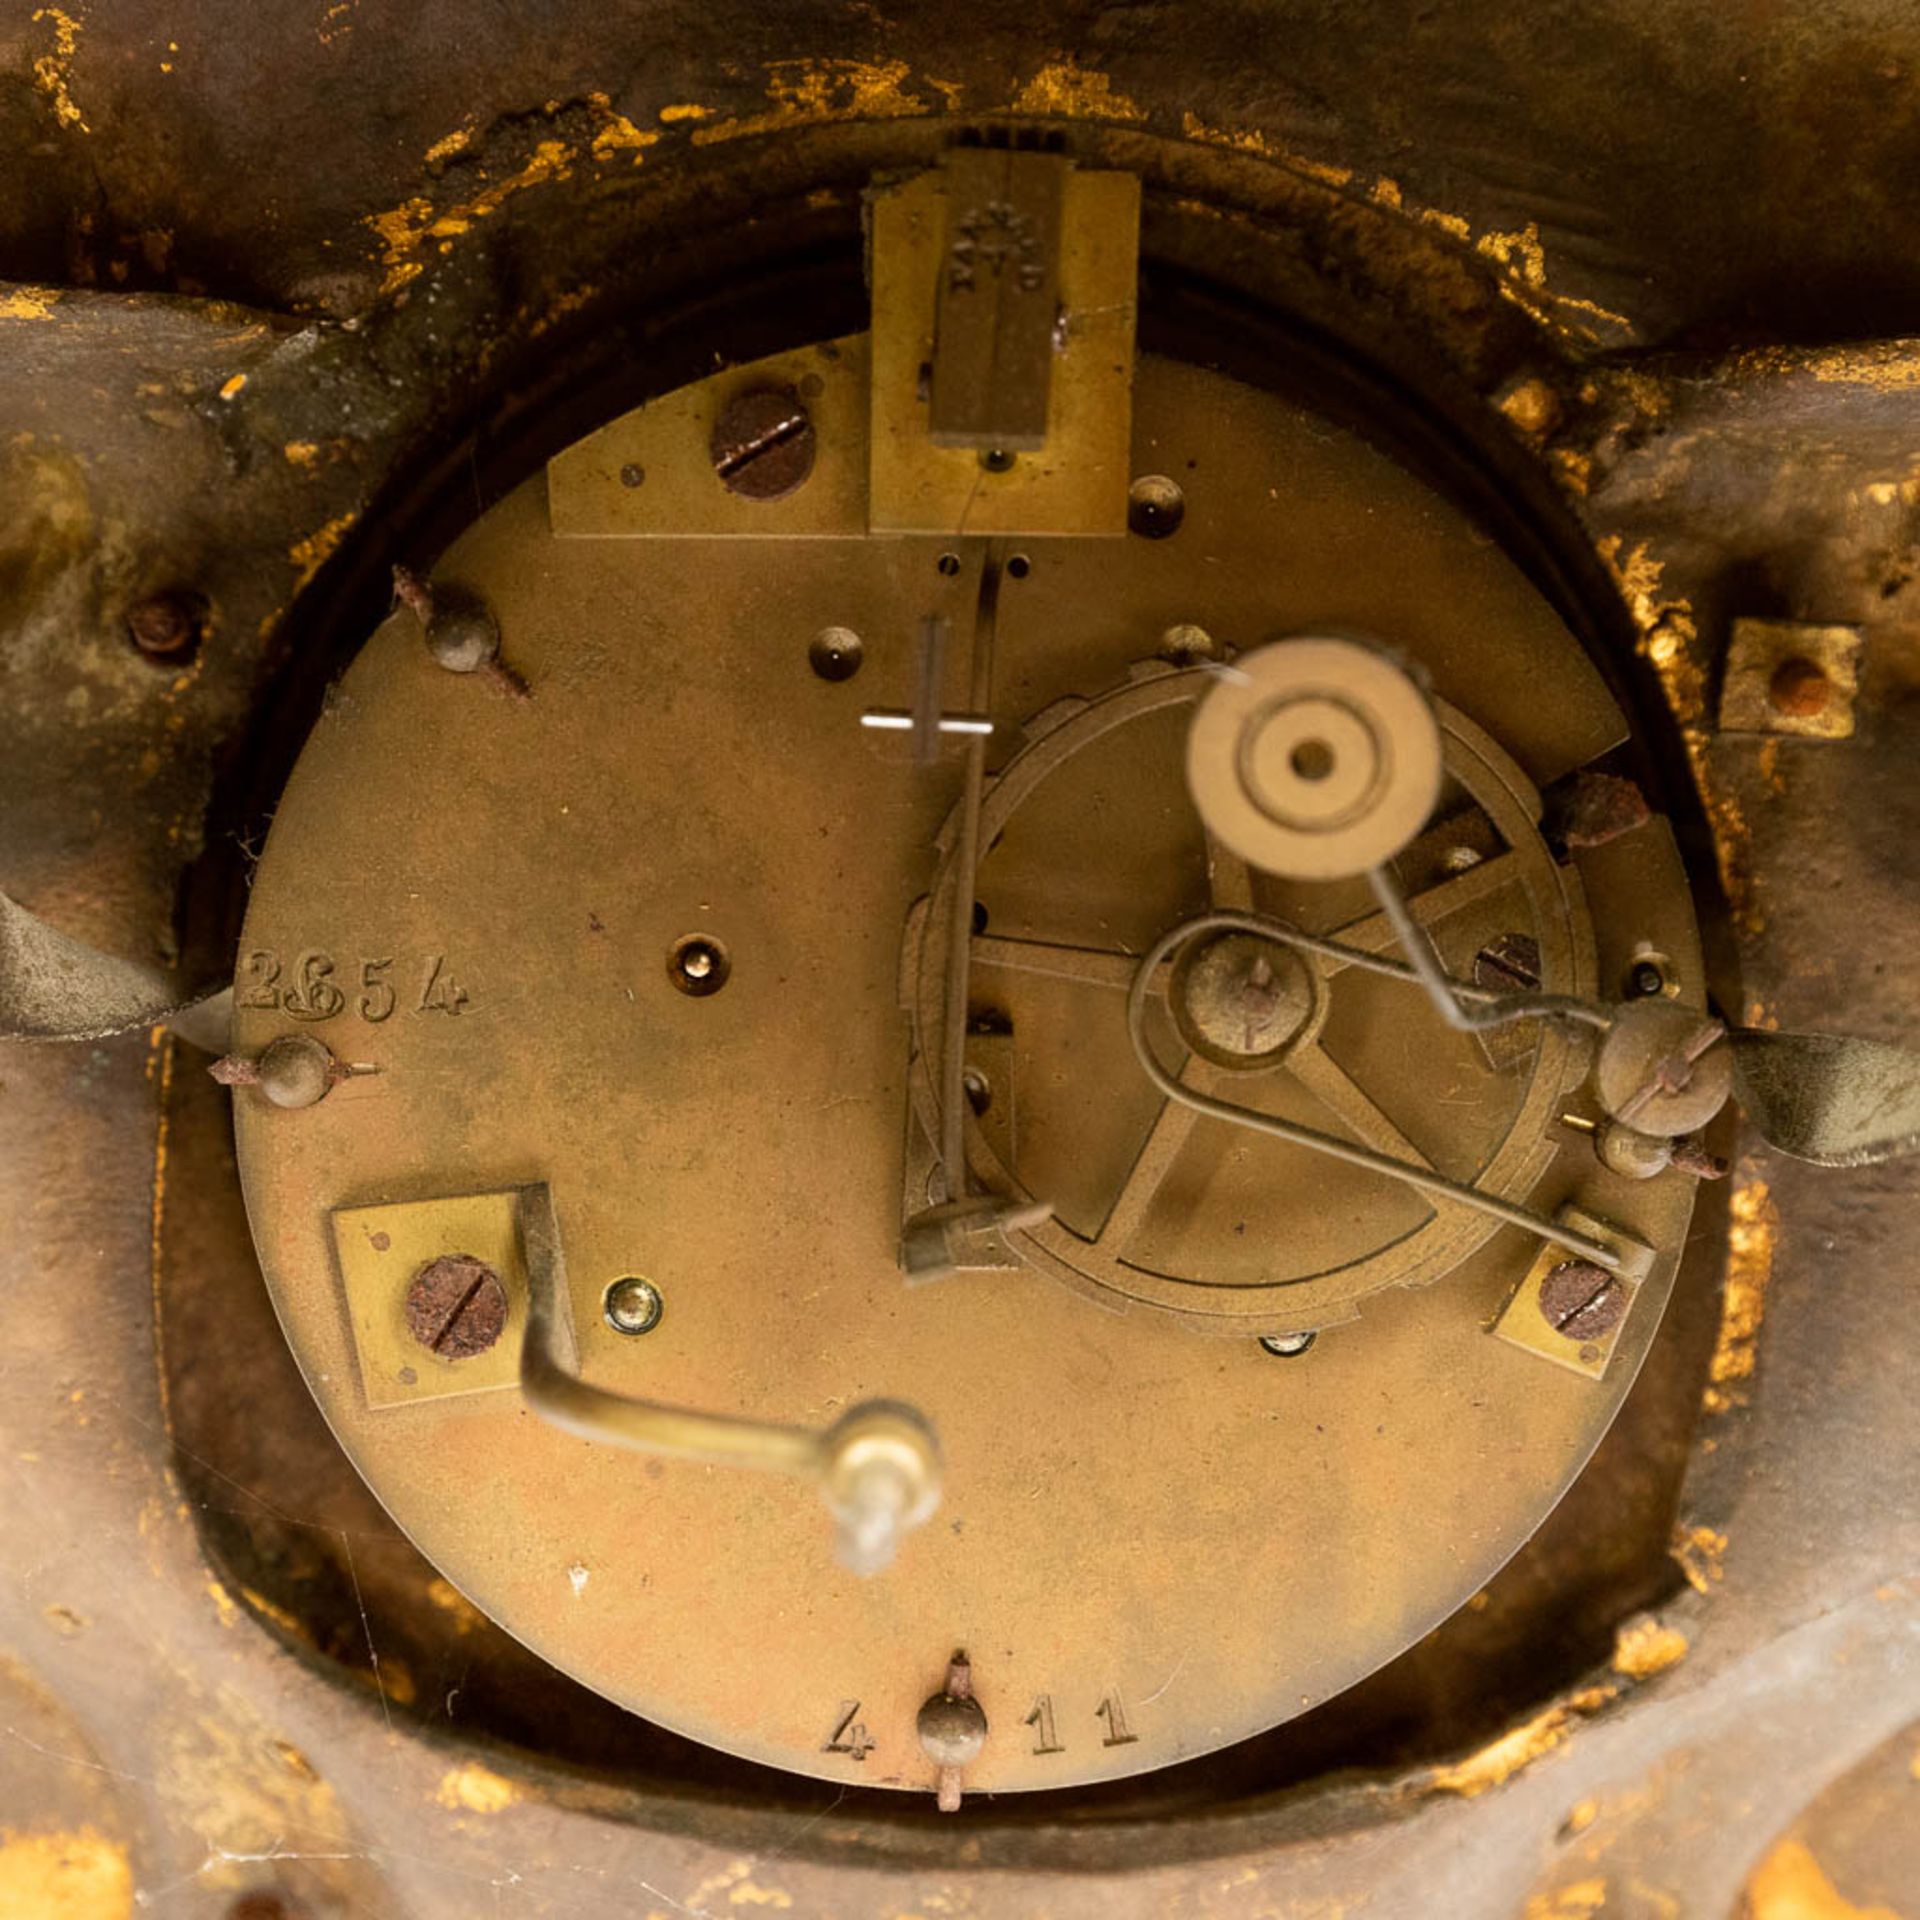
[(1522, 1324), (1825, 659), (650, 473), (381, 1248)]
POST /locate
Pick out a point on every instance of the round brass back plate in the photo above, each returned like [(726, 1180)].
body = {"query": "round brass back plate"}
[(1152, 1543)]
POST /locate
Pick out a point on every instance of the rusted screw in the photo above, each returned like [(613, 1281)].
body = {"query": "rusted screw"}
[(763, 443), (953, 1729), (456, 1306), (1800, 687), (461, 633), (263, 1906), (165, 625), (1582, 1300), (1588, 809), (292, 1071), (1691, 1157)]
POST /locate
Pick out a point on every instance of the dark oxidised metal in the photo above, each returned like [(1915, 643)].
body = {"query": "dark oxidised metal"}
[(1691, 1157), (1824, 1097), (763, 442), (1508, 963), (456, 1306), (165, 626)]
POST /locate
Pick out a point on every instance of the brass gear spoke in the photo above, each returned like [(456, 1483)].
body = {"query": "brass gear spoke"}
[(1229, 882), (1350, 1103), (1089, 966), (1172, 1127)]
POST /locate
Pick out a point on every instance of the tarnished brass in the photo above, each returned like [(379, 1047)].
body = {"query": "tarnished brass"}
[(1138, 1210), (649, 472), (380, 1248), (1523, 1324), (478, 896), (869, 399), (1075, 482), (877, 1466), (1786, 676), (998, 306)]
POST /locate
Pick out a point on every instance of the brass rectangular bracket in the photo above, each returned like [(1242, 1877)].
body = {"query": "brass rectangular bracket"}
[(932, 465), (1018, 421), (1521, 1323), (998, 302), (380, 1248), (650, 473)]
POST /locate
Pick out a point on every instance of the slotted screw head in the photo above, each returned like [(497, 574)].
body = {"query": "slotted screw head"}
[(1582, 1300), (456, 1306), (763, 443)]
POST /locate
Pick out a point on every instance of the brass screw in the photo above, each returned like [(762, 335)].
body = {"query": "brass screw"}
[(633, 1305)]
